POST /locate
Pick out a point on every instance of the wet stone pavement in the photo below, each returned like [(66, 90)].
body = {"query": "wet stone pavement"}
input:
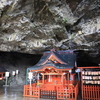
[(14, 93)]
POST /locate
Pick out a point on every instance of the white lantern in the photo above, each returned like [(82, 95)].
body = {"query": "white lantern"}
[(17, 71), (30, 75), (6, 74), (13, 73)]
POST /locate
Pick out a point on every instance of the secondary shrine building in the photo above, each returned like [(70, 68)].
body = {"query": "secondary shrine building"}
[(2, 72), (53, 77)]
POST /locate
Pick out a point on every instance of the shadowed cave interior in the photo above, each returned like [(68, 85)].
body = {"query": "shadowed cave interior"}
[(12, 61)]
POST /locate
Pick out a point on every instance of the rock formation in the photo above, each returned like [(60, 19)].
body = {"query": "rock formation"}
[(34, 26)]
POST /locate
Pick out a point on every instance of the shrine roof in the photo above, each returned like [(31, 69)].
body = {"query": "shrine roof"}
[(68, 58)]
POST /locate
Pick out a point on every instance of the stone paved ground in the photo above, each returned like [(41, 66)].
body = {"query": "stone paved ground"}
[(16, 93)]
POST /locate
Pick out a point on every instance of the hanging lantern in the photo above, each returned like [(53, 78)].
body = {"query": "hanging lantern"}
[(13, 73), (30, 75), (6, 74)]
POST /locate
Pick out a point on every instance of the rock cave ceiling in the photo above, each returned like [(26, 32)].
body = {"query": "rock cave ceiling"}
[(35, 26)]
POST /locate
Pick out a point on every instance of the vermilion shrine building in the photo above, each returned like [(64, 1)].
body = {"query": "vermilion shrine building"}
[(2, 73), (53, 77)]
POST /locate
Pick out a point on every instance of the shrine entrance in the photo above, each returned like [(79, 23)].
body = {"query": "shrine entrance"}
[(52, 76)]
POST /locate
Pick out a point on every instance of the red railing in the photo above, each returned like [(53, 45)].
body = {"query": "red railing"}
[(31, 91), (65, 92), (91, 92), (69, 92)]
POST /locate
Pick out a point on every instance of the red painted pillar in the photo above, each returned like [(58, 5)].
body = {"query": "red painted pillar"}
[(62, 80)]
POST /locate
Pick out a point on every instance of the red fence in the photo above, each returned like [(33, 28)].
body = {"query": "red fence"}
[(66, 92), (31, 91), (91, 92)]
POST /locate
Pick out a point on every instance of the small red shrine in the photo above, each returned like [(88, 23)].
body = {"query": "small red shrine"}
[(2, 73), (53, 77)]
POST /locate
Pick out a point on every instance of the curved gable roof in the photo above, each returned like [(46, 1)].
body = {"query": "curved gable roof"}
[(66, 56), (57, 56)]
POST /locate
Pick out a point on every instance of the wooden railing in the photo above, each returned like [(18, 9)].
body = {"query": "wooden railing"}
[(31, 91), (91, 92), (65, 92), (69, 92), (77, 90)]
